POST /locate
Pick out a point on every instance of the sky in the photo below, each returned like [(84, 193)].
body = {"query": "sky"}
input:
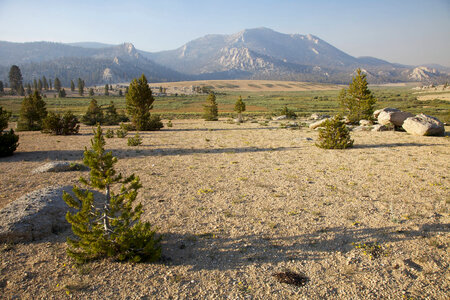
[(402, 31)]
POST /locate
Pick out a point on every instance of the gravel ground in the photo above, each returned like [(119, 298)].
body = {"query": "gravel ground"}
[(238, 203)]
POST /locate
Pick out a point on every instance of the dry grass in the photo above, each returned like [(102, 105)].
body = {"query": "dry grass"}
[(237, 204)]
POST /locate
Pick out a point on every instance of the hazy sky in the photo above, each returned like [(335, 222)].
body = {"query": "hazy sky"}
[(402, 31)]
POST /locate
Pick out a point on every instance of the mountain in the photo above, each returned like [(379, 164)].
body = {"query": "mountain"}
[(262, 53), (259, 53), (95, 65)]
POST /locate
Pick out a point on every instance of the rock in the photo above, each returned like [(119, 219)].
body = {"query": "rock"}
[(379, 127), (317, 124), (393, 116), (34, 215), (60, 166), (318, 117), (376, 113), (424, 125), (278, 118), (365, 123)]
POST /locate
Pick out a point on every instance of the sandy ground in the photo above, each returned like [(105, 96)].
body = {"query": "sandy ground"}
[(237, 204), (431, 96)]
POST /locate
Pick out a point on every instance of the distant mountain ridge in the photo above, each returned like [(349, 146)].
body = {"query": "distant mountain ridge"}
[(259, 53)]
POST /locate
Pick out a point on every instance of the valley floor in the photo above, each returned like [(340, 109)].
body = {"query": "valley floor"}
[(238, 203)]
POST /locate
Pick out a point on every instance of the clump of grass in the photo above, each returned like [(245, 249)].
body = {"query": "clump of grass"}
[(205, 191)]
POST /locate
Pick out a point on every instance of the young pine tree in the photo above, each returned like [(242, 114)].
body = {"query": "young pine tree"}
[(106, 90), (109, 226), (57, 84), (94, 114), (8, 140), (239, 107), (335, 135), (32, 113), (210, 110), (357, 101), (139, 102), (72, 86)]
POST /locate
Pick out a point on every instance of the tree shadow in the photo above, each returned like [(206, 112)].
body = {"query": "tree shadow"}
[(215, 251), (393, 145), (70, 155)]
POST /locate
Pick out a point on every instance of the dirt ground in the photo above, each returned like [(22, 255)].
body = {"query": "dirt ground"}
[(238, 203)]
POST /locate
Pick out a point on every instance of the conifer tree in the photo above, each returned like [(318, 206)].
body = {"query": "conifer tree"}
[(32, 113), (106, 90), (45, 83), (21, 90), (72, 86), (29, 91), (109, 225), (65, 124), (357, 101), (57, 84), (15, 78), (35, 85), (80, 87), (40, 86), (91, 92), (239, 107), (111, 115), (1, 87), (139, 102), (62, 93), (334, 135), (210, 110), (93, 115), (8, 140), (50, 84)]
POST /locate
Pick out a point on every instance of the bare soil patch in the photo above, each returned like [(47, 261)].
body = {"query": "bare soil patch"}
[(239, 203)]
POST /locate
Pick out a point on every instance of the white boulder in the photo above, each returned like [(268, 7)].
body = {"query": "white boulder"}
[(424, 125)]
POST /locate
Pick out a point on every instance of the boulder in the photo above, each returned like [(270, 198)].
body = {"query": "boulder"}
[(60, 166), (318, 117), (379, 127), (317, 124), (376, 113), (35, 215), (365, 123), (362, 128), (393, 116), (424, 125)]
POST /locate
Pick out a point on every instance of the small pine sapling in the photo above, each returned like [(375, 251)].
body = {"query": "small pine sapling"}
[(122, 131), (8, 140), (335, 135), (239, 107), (136, 140), (210, 109), (109, 226), (109, 134)]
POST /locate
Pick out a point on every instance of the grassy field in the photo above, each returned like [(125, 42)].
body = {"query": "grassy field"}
[(314, 98)]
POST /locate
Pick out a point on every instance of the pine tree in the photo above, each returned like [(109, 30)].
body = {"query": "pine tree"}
[(239, 107), (93, 115), (29, 91), (45, 83), (57, 85), (335, 135), (35, 85), (65, 124), (111, 115), (210, 110), (72, 86), (80, 87), (15, 78), (357, 101), (50, 84), (21, 90), (8, 140), (120, 93), (110, 225), (1, 87), (106, 90), (40, 85), (62, 93), (32, 113), (139, 102), (91, 92)]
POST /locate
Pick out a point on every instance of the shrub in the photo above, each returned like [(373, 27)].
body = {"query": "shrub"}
[(135, 141), (93, 115), (122, 131), (210, 109), (109, 134), (112, 117), (289, 113), (335, 135), (109, 226), (239, 107), (169, 124), (8, 140), (66, 124), (32, 113)]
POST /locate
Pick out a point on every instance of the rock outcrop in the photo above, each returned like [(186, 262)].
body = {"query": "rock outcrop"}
[(60, 166)]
